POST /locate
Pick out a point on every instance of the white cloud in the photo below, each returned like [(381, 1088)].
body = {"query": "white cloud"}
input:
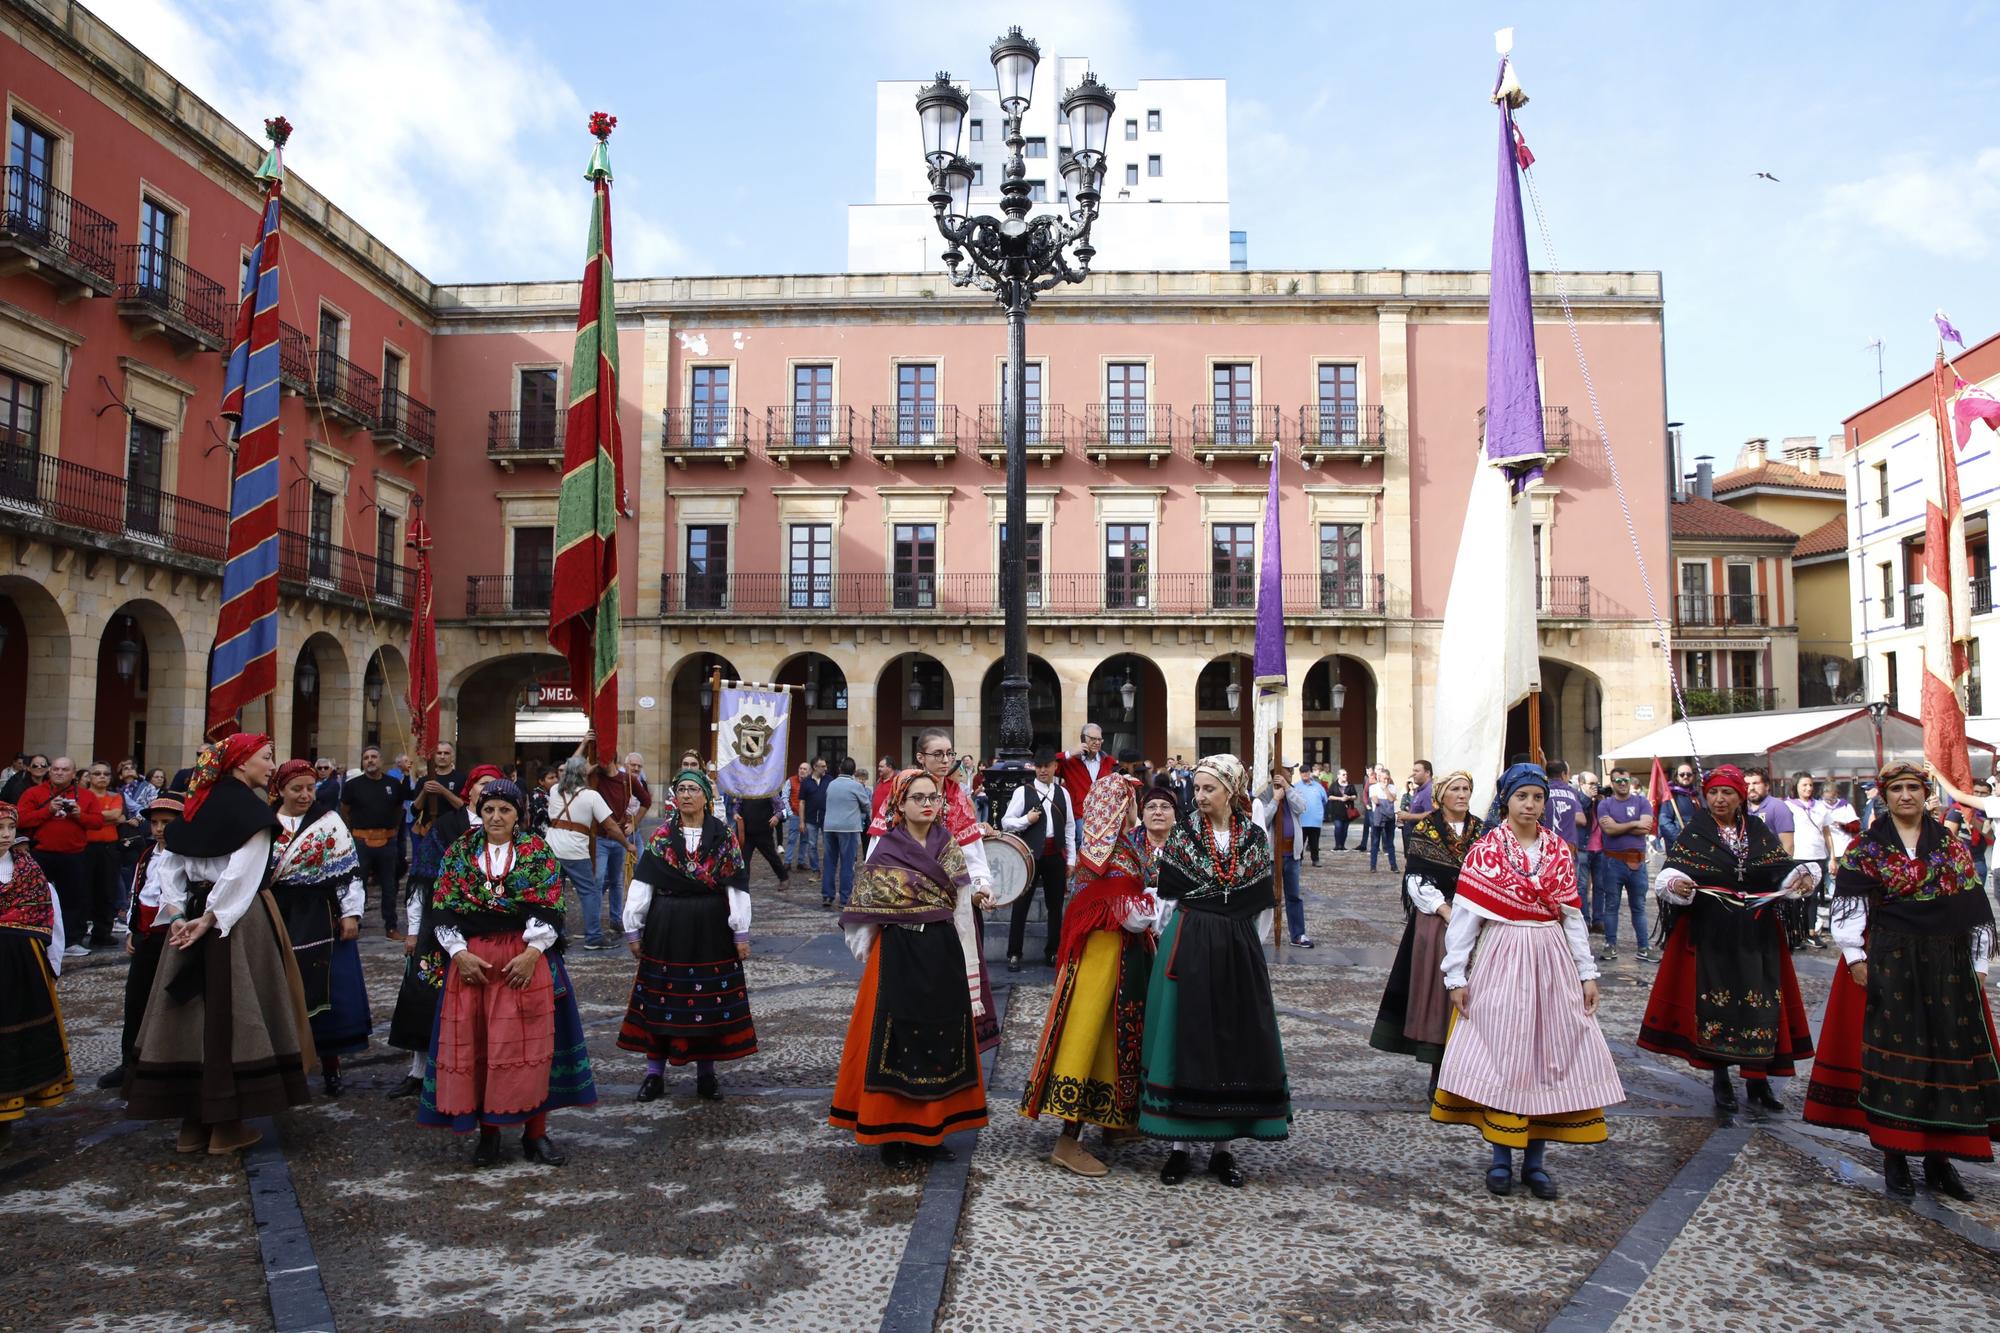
[(458, 146), (1942, 207)]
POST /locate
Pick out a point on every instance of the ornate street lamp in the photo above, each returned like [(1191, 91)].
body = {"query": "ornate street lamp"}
[(125, 653), (1128, 694), (1830, 669), (308, 676), (1017, 258), (373, 688), (1339, 697)]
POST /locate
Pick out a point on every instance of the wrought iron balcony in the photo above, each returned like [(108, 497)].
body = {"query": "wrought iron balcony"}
[(909, 432), (1563, 597), (159, 294), (706, 435), (45, 232), (1710, 701), (1050, 596), (1342, 430), (344, 391), (295, 359), (1341, 591), (1128, 430), (1982, 594), (1913, 608), (824, 431), (524, 437), (1048, 432), (319, 567), (1555, 430), (1236, 430), (1720, 610), (408, 424), (508, 595)]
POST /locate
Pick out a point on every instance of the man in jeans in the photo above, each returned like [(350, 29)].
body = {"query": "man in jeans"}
[(844, 818), (1279, 808), (1626, 819), (628, 799), (812, 806)]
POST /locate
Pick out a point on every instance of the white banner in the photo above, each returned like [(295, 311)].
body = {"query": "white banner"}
[(751, 741)]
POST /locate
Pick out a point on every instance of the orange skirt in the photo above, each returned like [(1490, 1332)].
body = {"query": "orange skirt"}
[(880, 1117)]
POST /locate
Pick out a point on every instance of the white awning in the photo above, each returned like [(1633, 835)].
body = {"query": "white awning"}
[(1730, 734), (550, 726)]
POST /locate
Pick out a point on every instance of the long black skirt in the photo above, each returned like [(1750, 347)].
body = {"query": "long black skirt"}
[(138, 986), (34, 1057), (309, 914), (423, 982), (690, 1000)]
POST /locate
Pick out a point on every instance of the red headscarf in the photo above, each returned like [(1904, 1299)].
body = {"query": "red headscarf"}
[(483, 771), (288, 770), (224, 756), (1727, 775)]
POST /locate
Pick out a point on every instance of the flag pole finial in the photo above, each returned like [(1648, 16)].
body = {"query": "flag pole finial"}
[(278, 130), (601, 125)]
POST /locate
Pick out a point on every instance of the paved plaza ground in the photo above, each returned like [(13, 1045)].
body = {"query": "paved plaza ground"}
[(751, 1213)]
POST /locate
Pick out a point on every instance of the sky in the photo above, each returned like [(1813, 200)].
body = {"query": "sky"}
[(454, 131)]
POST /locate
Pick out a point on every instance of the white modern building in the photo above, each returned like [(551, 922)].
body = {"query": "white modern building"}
[(1166, 181)]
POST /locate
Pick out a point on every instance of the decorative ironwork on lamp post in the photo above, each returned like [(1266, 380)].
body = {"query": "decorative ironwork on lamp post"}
[(1016, 257)]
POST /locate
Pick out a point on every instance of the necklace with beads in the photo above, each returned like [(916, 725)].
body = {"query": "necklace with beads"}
[(1225, 869), (496, 873)]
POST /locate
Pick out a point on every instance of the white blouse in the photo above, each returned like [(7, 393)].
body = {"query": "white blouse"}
[(1427, 896), (236, 879), (1461, 934), (1850, 934), (639, 897)]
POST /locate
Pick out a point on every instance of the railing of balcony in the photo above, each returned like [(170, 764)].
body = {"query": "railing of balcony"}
[(151, 276), (1714, 700), (44, 217), (1982, 594), (1047, 428), (340, 383), (1913, 608), (524, 432), (913, 426), (1334, 427), (794, 429), (1079, 595), (1238, 424), (1341, 590), (1129, 425), (706, 427), (508, 595), (314, 560), (1720, 610), (295, 356), (1564, 596), (1555, 429), (415, 421)]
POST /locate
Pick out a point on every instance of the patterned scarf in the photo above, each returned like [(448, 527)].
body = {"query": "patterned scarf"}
[(24, 898), (1108, 812), (1192, 867), (532, 884), (1496, 877), (716, 862), (909, 882), (1746, 856), (319, 852)]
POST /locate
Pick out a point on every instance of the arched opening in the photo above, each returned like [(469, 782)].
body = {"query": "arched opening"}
[(1127, 697), (322, 702), (492, 725), (1045, 720), (819, 709), (913, 692), (34, 668), (1338, 700), (1225, 706), (141, 669), (385, 689), (1572, 717), (692, 706)]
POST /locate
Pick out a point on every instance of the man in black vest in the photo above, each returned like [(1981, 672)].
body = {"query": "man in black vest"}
[(1040, 815)]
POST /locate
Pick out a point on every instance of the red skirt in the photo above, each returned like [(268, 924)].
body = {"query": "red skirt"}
[(1671, 1027), (495, 1044)]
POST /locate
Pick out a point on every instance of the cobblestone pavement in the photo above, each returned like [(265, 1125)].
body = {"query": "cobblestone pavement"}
[(750, 1213)]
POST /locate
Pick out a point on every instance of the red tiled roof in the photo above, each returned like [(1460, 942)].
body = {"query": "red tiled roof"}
[(1780, 474), (1705, 519), (1826, 539)]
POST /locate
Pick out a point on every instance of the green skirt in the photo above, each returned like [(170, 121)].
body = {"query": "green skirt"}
[(1249, 1103)]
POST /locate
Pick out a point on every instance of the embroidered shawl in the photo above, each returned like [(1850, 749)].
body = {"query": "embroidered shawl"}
[(1935, 892), (1436, 853), (716, 862), (908, 882), (1147, 856), (1191, 868), (24, 898), (465, 897), (1108, 811), (1497, 880), (320, 853)]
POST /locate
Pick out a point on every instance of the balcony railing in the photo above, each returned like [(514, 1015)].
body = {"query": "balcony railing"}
[(508, 595), (780, 595), (343, 389), (803, 431), (1982, 594), (1133, 427), (1334, 429), (295, 358), (1236, 425), (1720, 610), (320, 566), (405, 421), (59, 237), (919, 428), (1563, 596), (184, 305), (1711, 701), (725, 429), (516, 435), (1555, 430), (1913, 608), (1048, 430)]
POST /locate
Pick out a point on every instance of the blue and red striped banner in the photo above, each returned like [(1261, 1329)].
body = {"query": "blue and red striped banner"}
[(245, 664)]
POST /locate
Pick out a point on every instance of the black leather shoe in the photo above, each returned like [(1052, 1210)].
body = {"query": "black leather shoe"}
[(543, 1150), (937, 1152), (651, 1087), (1941, 1177), (333, 1084), (488, 1151), (894, 1154), (1222, 1165), (1013, 962), (1725, 1091), (1048, 960), (112, 1079), (1539, 1184), (409, 1087), (706, 1088), (1177, 1168), (1896, 1175), (1759, 1090)]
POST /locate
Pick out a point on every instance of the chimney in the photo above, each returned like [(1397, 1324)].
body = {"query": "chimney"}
[(1754, 452), (1809, 463), (1704, 475)]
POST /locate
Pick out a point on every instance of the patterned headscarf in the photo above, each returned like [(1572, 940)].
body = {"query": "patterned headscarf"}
[(1228, 770), (1897, 771), (500, 789), (1162, 792), (1727, 775), (288, 770), (899, 787), (697, 777), (1108, 812), (224, 756), (1515, 778), (1456, 775)]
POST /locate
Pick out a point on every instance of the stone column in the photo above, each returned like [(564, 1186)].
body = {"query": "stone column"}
[(645, 729), (1397, 734)]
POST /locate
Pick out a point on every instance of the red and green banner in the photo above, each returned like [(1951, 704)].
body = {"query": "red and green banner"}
[(584, 611)]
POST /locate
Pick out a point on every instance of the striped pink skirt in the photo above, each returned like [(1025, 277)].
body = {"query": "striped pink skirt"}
[(1527, 1047)]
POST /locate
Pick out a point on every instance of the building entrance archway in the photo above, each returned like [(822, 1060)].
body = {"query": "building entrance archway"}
[(1134, 722)]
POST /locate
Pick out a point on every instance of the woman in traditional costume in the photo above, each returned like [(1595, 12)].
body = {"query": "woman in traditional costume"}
[(1525, 1061), (146, 934), (316, 878), (1725, 993), (424, 959), (1416, 1011), (1087, 1067), (1159, 813), (225, 1036), (909, 1070), (687, 915), (1906, 1050), (508, 1044), (34, 1051), (1212, 1066)]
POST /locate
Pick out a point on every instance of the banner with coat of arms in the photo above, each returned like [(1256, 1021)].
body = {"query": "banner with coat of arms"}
[(751, 741)]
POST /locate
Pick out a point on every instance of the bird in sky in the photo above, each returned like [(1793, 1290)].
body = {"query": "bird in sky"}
[(1767, 176)]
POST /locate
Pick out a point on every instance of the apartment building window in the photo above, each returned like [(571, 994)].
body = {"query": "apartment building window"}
[(1887, 572), (707, 567), (978, 130), (386, 552), (1339, 405), (1038, 191), (319, 534), (1698, 671), (1153, 122), (1694, 608), (1031, 564), (1882, 489), (1340, 566), (914, 568), (1982, 574), (979, 173), (1743, 671), (31, 157), (1125, 552), (812, 405), (156, 247), (1232, 566), (1235, 422), (1031, 392), (534, 567), (331, 327), (1741, 577), (20, 435), (1132, 129), (1036, 148), (145, 458), (1125, 402), (1153, 165), (392, 386), (708, 406), (1541, 584), (916, 403), (1889, 679), (539, 413), (1239, 250), (1974, 696), (809, 571), (1131, 173)]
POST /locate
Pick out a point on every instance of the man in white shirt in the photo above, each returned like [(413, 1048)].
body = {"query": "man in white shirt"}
[(1041, 815)]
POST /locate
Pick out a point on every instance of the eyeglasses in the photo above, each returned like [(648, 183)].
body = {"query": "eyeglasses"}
[(1619, 780), (925, 798), (940, 754)]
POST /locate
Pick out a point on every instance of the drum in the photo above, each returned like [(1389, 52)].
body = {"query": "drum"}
[(1013, 868)]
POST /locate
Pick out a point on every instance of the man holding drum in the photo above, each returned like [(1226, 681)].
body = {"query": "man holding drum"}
[(1042, 815)]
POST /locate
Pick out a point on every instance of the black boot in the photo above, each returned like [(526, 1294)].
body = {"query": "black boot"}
[(488, 1151), (1222, 1165), (651, 1086), (112, 1079), (409, 1087), (543, 1150), (705, 1086), (1896, 1175), (1725, 1091), (1761, 1095), (1941, 1177)]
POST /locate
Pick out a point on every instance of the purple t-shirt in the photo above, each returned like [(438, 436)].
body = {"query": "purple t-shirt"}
[(1777, 816), (1624, 811), (1420, 800), (1561, 811)]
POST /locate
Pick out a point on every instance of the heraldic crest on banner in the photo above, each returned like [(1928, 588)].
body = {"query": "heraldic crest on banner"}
[(752, 740)]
